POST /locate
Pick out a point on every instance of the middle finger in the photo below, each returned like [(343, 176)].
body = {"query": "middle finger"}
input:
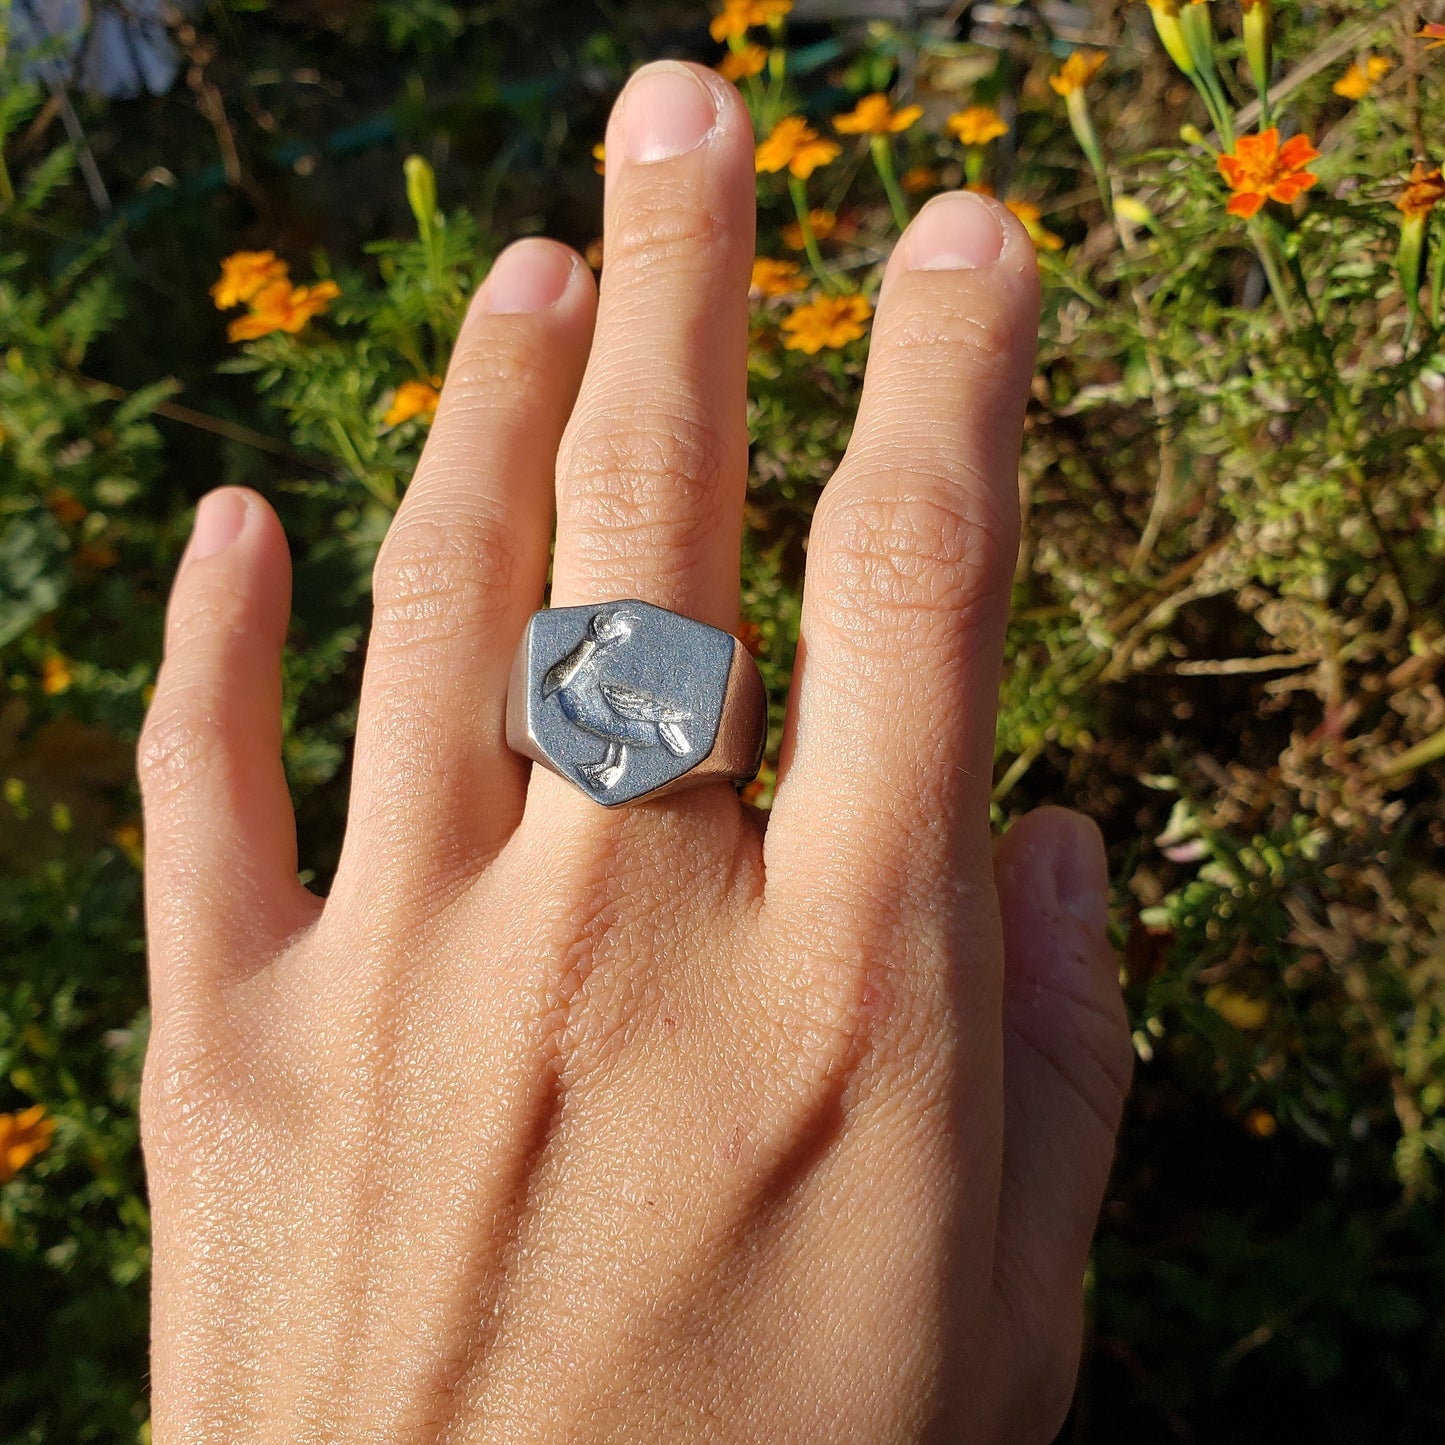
[(653, 466)]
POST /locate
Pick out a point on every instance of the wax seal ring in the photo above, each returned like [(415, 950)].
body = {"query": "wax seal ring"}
[(630, 701)]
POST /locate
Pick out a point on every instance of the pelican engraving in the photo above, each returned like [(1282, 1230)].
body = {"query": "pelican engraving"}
[(621, 716)]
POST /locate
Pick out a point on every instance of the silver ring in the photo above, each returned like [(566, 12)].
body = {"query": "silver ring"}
[(630, 701)]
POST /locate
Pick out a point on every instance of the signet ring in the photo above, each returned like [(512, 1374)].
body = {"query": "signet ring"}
[(630, 701)]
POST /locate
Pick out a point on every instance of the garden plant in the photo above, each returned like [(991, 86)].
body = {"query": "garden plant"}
[(1228, 638)]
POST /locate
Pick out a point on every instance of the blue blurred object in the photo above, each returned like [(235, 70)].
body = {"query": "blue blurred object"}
[(116, 48)]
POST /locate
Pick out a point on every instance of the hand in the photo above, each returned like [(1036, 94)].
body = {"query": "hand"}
[(555, 1123)]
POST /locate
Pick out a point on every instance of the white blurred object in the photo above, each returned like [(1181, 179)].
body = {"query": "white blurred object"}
[(116, 48)]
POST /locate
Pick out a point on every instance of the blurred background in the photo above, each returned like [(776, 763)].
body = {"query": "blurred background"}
[(1228, 641)]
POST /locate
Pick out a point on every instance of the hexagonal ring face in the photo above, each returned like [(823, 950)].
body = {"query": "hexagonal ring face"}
[(628, 700)]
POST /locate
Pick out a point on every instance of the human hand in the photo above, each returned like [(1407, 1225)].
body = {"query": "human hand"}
[(561, 1123)]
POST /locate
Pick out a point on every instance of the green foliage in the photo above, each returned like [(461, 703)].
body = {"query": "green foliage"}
[(1226, 645)]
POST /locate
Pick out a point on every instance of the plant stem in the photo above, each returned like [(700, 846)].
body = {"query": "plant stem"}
[(799, 192), (882, 152), (1264, 249)]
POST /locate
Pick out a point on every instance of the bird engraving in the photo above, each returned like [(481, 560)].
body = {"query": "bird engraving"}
[(621, 716)]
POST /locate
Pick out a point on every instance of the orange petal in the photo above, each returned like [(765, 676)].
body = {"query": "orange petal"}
[(1231, 168), (1245, 204), (1291, 187), (1297, 151)]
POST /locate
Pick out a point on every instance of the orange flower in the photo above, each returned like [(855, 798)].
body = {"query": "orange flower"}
[(874, 115), (1423, 192), (65, 506), (1030, 215), (774, 278), (599, 158), (22, 1137), (1434, 33), (747, 60), (282, 307), (413, 398), (919, 178), (829, 321), (56, 675), (737, 17), (243, 275), (821, 223), (795, 146), (1359, 80), (1078, 70), (96, 556), (131, 841), (977, 125), (1261, 169)]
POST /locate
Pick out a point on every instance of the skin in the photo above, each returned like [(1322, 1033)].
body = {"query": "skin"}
[(556, 1123)]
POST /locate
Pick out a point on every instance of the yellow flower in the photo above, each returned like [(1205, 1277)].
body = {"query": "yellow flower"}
[(282, 307), (22, 1137), (795, 146), (1030, 215), (129, 840), (738, 64), (1239, 1009), (1359, 80), (56, 675), (1423, 192), (821, 223), (774, 278), (737, 17), (244, 274), (874, 115), (829, 321), (977, 125), (1261, 1123), (413, 398), (599, 158), (1078, 70)]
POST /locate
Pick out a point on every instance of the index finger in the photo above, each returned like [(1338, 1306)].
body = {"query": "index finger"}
[(888, 755)]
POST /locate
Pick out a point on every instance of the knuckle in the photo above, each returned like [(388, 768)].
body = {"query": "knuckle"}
[(653, 489), (180, 734), (930, 554), (438, 582), (671, 224)]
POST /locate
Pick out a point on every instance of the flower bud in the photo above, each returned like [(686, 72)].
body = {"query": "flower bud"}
[(421, 193)]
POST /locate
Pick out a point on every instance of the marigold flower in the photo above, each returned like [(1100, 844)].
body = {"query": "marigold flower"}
[(96, 556), (1359, 80), (737, 17), (874, 115), (22, 1137), (747, 60), (830, 321), (977, 125), (131, 841), (1031, 217), (282, 307), (774, 278), (56, 675), (599, 158), (1077, 71), (1422, 193), (66, 507), (795, 146), (412, 398), (1240, 1009), (1260, 169), (1434, 33), (244, 274), (918, 178), (1260, 1122), (821, 223)]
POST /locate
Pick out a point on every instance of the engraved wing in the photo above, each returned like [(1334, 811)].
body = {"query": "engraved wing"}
[(628, 703)]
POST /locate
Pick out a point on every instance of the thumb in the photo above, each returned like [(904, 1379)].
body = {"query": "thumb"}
[(1067, 1064)]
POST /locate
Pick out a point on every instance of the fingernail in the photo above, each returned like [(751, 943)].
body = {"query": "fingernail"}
[(956, 232), (528, 276), (1081, 870), (219, 520), (666, 111)]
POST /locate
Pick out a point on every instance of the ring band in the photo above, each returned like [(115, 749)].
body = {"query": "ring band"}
[(631, 701)]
